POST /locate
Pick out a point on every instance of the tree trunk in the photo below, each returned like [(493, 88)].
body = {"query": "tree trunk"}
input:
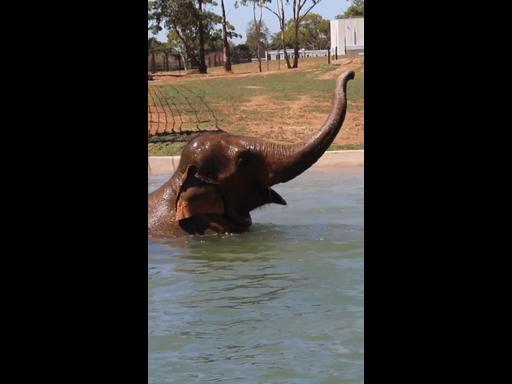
[(188, 50), (283, 28), (298, 5), (285, 52), (193, 61), (296, 44), (227, 53), (257, 26), (202, 64), (153, 62), (259, 33)]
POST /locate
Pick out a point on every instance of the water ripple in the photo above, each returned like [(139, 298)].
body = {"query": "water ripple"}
[(280, 304)]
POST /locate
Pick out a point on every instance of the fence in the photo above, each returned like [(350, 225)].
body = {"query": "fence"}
[(279, 54), (165, 62), (177, 111)]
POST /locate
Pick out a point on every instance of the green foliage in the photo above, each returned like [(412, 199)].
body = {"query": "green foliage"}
[(178, 16), (241, 52), (245, 3), (275, 41), (356, 9), (156, 46), (314, 32), (182, 18), (252, 39)]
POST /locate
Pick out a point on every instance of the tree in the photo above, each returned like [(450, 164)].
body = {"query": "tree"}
[(241, 52), (300, 10), (275, 42), (314, 32), (180, 18), (356, 9), (188, 22), (177, 46), (257, 22), (200, 30), (257, 41), (279, 13), (156, 46), (151, 16), (257, 26), (227, 54)]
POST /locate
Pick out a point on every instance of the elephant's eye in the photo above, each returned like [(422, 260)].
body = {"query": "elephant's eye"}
[(243, 162)]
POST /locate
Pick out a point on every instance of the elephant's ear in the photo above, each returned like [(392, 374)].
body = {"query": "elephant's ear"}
[(196, 196), (185, 179)]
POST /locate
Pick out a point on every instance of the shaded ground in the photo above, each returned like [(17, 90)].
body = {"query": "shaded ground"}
[(285, 106)]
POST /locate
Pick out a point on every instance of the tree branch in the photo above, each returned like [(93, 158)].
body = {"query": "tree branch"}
[(271, 10), (309, 9)]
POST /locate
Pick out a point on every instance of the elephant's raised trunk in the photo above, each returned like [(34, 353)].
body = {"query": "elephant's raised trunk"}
[(288, 161)]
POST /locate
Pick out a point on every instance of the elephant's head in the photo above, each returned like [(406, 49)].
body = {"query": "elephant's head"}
[(221, 177)]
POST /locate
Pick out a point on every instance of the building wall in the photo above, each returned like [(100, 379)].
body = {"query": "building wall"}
[(347, 35)]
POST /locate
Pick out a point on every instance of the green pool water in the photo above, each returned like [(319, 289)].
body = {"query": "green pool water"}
[(280, 304)]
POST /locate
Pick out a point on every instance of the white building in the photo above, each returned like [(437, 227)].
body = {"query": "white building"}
[(347, 35)]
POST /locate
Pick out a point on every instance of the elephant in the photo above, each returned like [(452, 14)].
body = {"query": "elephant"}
[(222, 177)]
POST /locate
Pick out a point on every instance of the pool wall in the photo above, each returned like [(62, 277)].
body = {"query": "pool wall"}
[(354, 158)]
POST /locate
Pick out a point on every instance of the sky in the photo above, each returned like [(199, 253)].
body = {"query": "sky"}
[(241, 16)]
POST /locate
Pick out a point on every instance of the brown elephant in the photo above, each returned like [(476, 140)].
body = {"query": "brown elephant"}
[(221, 177)]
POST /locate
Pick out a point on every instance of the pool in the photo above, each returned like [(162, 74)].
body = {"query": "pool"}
[(280, 304)]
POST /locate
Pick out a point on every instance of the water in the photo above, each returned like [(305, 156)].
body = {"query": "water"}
[(280, 304)]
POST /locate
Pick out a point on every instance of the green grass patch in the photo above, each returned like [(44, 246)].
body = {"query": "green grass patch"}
[(345, 147), (227, 100), (286, 85), (165, 149), (175, 149)]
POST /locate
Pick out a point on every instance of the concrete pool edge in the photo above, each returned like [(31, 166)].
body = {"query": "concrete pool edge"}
[(347, 158)]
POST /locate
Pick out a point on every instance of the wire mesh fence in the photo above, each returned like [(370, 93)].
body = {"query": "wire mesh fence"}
[(176, 111)]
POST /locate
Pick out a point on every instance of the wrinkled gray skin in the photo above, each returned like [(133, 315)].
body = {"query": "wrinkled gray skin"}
[(221, 177)]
